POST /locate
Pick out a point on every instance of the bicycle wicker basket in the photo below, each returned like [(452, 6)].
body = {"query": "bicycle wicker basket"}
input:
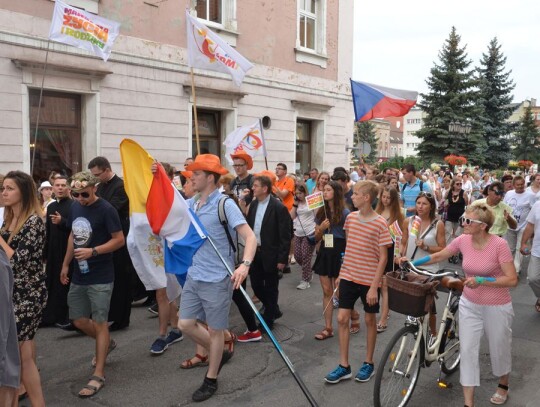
[(410, 293)]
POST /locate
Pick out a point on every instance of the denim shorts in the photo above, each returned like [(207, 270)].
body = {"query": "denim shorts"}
[(90, 301), (209, 302)]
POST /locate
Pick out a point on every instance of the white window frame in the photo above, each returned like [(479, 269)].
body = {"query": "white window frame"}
[(92, 6), (318, 55), (228, 29)]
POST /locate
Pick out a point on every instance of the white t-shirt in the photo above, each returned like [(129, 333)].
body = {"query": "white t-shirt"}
[(1, 216), (304, 223), (521, 205), (534, 218), (537, 195)]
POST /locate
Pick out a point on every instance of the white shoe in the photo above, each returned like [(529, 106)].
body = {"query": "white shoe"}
[(303, 285)]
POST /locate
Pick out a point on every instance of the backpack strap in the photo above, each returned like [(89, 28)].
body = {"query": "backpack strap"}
[(222, 215)]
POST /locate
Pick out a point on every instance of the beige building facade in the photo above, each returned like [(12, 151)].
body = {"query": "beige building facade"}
[(302, 52)]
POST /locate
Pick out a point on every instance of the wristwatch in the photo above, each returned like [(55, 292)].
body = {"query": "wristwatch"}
[(247, 263), (94, 252)]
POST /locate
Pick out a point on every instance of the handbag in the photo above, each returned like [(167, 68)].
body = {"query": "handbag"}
[(312, 240)]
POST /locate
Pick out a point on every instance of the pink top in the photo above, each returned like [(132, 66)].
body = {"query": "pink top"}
[(484, 263)]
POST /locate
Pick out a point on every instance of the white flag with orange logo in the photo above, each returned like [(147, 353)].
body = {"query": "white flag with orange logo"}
[(207, 51), (84, 30), (247, 139)]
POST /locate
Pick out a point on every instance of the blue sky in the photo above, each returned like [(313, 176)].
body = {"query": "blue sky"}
[(396, 43)]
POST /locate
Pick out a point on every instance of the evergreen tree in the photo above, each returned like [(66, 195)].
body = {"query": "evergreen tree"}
[(451, 98), (495, 97), (527, 138), (364, 132)]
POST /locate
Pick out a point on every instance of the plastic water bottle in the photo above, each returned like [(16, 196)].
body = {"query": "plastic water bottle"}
[(83, 266)]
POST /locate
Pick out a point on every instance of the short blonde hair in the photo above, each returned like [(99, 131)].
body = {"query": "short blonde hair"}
[(368, 187), (484, 213)]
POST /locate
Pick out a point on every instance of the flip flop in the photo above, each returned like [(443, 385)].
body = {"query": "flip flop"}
[(324, 334), (381, 328), (95, 390)]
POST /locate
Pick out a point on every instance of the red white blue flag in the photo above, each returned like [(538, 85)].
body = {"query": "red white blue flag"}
[(374, 101), (171, 218)]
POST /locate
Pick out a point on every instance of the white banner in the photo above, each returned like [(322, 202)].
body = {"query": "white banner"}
[(206, 50), (83, 30), (247, 139)]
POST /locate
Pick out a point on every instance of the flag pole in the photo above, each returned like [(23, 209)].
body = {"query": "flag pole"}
[(278, 347), (264, 143), (195, 112), (39, 108)]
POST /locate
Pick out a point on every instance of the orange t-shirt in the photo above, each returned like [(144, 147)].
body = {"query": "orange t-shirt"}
[(362, 251), (288, 184)]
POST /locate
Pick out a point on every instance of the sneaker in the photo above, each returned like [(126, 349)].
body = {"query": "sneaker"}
[(303, 285), (338, 374), (249, 336), (207, 390), (174, 337), (154, 309), (158, 347), (365, 373), (335, 302)]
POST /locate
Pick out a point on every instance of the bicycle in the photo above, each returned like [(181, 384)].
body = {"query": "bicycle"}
[(412, 348)]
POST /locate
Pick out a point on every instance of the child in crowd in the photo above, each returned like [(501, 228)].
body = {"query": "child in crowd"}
[(365, 258)]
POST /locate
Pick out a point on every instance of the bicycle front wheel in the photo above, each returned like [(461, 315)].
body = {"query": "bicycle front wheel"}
[(451, 360), (395, 380)]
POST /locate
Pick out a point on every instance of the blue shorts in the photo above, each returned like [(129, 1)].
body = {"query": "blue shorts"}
[(209, 302)]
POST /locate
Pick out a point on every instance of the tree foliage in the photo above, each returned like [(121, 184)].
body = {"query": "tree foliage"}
[(452, 97), (495, 88), (527, 138), (364, 132)]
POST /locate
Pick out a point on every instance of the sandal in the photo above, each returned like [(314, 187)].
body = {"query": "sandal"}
[(94, 389), (498, 398), (230, 342), (189, 364), (381, 328), (355, 322), (537, 305), (325, 334), (112, 346)]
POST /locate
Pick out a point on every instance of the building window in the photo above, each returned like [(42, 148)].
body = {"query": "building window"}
[(303, 146), (210, 10), (209, 132), (92, 6), (58, 143), (311, 28), (308, 24)]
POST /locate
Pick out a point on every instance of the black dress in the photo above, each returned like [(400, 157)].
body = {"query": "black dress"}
[(29, 291)]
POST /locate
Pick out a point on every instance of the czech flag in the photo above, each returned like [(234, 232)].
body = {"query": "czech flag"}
[(374, 101), (171, 218)]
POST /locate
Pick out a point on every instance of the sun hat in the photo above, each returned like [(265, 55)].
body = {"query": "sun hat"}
[(207, 162), (186, 174), (82, 180), (44, 184), (246, 157)]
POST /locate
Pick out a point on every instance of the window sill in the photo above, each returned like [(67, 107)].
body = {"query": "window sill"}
[(91, 6), (311, 57), (229, 35)]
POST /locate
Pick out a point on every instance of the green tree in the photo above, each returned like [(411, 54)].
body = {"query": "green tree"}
[(451, 98), (364, 132), (527, 138), (495, 97)]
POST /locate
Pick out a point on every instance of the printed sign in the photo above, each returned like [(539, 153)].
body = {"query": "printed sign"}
[(315, 200)]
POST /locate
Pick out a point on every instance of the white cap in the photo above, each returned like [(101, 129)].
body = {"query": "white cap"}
[(44, 184)]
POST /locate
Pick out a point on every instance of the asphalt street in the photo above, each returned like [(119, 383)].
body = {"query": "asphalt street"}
[(256, 375)]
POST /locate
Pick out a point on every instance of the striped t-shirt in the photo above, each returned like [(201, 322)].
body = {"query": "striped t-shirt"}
[(484, 263), (362, 251)]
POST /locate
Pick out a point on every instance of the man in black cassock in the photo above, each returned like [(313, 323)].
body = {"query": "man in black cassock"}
[(56, 311), (111, 189)]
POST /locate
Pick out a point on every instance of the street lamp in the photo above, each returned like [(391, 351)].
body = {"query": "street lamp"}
[(459, 130)]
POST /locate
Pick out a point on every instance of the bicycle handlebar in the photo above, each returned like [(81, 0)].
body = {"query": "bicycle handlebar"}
[(413, 268)]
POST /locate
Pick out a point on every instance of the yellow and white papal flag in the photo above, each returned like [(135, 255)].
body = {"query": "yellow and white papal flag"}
[(80, 29), (206, 50)]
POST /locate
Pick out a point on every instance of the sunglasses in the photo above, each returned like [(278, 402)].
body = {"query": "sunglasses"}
[(499, 193), (239, 165), (468, 221), (458, 183), (426, 194), (82, 194)]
